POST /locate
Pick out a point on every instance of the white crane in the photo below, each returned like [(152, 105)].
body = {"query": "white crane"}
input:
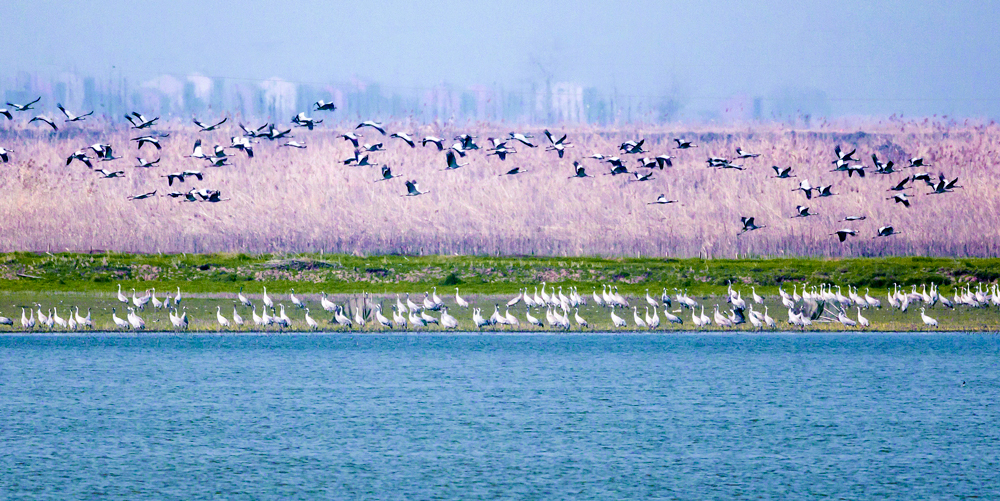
[(928, 321), (121, 324), (720, 319), (410, 305), (652, 321), (533, 320), (135, 320), (121, 297), (310, 321), (379, 317), (459, 301), (223, 321), (448, 321), (359, 317), (61, 322), (616, 320), (295, 300), (862, 320), (427, 319), (267, 300), (477, 318), (326, 303), (257, 319), (510, 319), (243, 299), (517, 299), (341, 319), (756, 297), (282, 320), (237, 319), (579, 320)]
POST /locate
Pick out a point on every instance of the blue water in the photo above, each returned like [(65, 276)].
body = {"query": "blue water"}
[(474, 417)]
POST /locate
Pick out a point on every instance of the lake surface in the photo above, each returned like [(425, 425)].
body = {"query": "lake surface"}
[(471, 417)]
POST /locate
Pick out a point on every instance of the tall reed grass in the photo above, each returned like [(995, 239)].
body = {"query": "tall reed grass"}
[(290, 200)]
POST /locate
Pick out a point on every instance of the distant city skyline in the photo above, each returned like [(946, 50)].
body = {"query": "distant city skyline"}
[(703, 61)]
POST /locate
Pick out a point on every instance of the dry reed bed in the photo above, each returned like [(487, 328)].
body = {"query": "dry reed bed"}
[(306, 200)]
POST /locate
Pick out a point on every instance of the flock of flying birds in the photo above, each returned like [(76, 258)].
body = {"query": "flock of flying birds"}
[(642, 170)]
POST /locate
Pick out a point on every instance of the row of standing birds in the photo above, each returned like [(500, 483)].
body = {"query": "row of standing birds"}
[(823, 303)]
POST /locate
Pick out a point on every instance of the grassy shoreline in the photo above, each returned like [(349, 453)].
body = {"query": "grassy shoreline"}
[(211, 281), (314, 273)]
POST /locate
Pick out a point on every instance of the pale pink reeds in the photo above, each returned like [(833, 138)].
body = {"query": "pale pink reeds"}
[(290, 200)]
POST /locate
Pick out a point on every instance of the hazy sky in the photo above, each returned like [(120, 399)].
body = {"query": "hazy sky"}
[(869, 57)]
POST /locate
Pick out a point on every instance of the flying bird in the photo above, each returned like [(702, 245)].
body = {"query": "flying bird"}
[(522, 138), (579, 170), (106, 174), (436, 141), (71, 117), (5, 155), (683, 145), (374, 125), (143, 196), (386, 174), (748, 225), (140, 122), (324, 106), (24, 107), (662, 200), (45, 119), (453, 161), (209, 128), (782, 173), (844, 157), (303, 121), (350, 136), (803, 211), (413, 190), (513, 172), (405, 137), (842, 234), (144, 140), (900, 198), (143, 163), (81, 156), (745, 154), (885, 231)]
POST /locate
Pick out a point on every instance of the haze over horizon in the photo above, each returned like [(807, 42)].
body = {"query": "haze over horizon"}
[(859, 58)]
